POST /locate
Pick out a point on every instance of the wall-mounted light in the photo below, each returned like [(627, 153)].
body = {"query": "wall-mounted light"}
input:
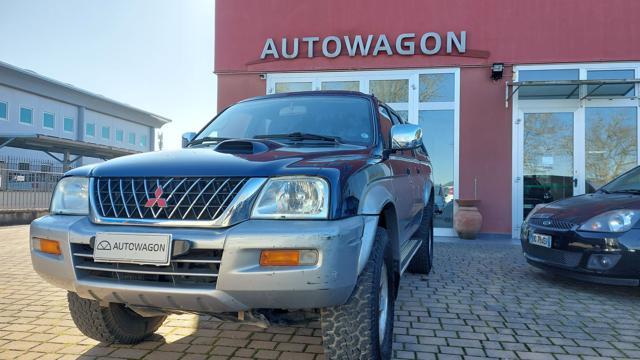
[(496, 71)]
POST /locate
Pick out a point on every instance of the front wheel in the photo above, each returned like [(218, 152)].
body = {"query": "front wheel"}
[(114, 323), (363, 327)]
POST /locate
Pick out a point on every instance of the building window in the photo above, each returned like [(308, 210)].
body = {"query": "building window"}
[(90, 129), (23, 166), (143, 140), (48, 120), (4, 110), (611, 89), (132, 138), (106, 132), (544, 92), (26, 116), (68, 124), (119, 135)]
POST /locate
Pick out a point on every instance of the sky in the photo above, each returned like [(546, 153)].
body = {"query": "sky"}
[(156, 55)]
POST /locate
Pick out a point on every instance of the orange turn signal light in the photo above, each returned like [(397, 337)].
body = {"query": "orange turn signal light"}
[(288, 257), (48, 246)]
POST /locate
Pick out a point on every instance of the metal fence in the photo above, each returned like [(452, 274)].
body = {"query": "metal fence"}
[(27, 183)]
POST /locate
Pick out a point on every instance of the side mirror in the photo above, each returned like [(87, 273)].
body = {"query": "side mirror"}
[(406, 137), (187, 137)]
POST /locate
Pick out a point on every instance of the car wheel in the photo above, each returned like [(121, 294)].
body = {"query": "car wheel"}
[(363, 327), (423, 259), (111, 324)]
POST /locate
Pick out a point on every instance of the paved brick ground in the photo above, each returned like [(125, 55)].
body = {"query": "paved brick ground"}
[(481, 300)]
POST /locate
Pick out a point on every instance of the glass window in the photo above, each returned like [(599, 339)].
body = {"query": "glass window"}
[(90, 129), (548, 91), (437, 135), (611, 89), (68, 124), (385, 126), (390, 91), (341, 85), (119, 135), (132, 138), (143, 140), (26, 115), (106, 132), (346, 117), (4, 110), (548, 158), (404, 114), (48, 120), (611, 144), (437, 87), (284, 87)]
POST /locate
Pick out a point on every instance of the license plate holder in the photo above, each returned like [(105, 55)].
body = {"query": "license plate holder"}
[(540, 240), (144, 249)]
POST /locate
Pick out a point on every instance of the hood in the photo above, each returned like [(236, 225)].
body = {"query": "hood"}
[(579, 209), (208, 162)]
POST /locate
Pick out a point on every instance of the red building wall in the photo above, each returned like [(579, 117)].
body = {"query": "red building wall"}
[(508, 31)]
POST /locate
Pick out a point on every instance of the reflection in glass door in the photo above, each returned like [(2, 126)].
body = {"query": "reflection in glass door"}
[(611, 144), (548, 158)]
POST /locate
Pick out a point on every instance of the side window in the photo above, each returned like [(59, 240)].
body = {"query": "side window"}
[(396, 119), (385, 126)]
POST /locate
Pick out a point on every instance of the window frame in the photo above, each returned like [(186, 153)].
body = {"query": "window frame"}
[(102, 128), (6, 104), (64, 122), (120, 131), (20, 115), (86, 128), (44, 113)]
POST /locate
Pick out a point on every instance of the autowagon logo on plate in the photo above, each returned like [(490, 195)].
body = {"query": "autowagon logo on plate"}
[(132, 246), (104, 245)]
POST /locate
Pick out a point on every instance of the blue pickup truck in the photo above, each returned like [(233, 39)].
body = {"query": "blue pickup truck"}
[(315, 200)]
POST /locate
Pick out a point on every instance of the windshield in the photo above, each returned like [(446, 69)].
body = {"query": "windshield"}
[(346, 118), (629, 182)]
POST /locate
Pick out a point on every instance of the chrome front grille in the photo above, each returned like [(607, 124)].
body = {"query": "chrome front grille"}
[(199, 267), (176, 198)]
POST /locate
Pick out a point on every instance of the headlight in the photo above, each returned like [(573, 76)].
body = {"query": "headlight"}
[(71, 196), (612, 221), (293, 198)]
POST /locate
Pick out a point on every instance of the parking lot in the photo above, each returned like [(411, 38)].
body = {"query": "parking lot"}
[(481, 300)]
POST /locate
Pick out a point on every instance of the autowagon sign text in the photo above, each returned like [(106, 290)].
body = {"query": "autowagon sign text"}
[(407, 44)]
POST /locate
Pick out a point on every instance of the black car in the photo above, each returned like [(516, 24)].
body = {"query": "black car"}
[(594, 237)]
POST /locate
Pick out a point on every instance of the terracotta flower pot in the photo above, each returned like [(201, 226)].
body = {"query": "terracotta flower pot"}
[(467, 220)]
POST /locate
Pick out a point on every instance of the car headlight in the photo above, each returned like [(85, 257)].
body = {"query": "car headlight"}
[(293, 198), (612, 221), (71, 196)]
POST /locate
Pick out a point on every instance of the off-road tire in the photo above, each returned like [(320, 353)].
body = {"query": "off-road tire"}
[(423, 259), (111, 324), (350, 331)]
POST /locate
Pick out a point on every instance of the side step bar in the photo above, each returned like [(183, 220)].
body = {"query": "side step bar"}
[(407, 251)]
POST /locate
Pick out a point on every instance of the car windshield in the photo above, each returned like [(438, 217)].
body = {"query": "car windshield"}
[(629, 182), (315, 118)]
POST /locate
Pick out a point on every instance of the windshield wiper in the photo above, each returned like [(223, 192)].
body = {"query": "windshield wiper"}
[(627, 191), (298, 136), (207, 139)]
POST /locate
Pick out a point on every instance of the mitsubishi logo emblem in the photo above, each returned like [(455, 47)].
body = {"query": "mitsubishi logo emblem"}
[(157, 200)]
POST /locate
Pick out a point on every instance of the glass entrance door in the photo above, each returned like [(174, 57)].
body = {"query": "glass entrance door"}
[(548, 158)]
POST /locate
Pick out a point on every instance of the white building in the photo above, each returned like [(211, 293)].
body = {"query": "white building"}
[(32, 103)]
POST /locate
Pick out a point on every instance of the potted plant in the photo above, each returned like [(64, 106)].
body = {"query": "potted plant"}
[(467, 220)]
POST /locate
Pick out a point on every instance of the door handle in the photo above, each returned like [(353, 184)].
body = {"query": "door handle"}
[(418, 170), (575, 182), (408, 171)]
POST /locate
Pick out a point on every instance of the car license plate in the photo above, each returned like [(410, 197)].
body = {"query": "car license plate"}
[(153, 249), (540, 240)]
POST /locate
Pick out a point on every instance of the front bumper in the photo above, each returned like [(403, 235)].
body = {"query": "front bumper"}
[(572, 251), (241, 283)]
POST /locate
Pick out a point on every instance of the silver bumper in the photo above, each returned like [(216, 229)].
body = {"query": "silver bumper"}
[(241, 284)]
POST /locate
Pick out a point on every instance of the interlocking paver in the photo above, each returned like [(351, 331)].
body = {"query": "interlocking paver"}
[(481, 300)]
